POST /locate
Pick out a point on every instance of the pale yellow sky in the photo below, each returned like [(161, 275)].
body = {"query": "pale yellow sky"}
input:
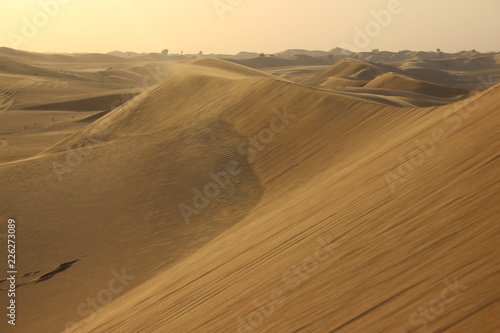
[(230, 26)]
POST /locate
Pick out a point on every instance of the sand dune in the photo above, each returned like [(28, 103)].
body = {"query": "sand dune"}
[(294, 52), (461, 64), (400, 82), (297, 74), (225, 199), (464, 70), (405, 80), (9, 66), (295, 60), (352, 69), (340, 171)]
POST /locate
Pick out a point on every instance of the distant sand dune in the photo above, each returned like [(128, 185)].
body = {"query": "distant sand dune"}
[(400, 82), (351, 69)]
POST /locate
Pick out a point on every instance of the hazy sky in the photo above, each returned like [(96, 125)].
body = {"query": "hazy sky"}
[(230, 26)]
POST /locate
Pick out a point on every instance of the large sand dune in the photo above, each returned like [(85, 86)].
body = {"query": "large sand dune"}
[(225, 199)]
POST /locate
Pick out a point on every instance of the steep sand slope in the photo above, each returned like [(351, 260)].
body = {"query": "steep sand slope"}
[(292, 164), (394, 253)]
